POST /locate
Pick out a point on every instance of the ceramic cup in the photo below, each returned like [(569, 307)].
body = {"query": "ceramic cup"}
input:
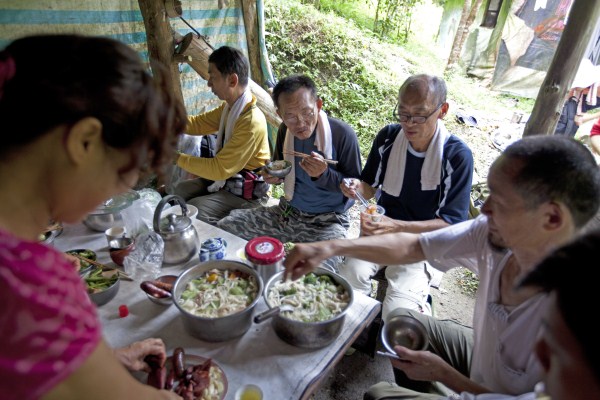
[(213, 249), (116, 232)]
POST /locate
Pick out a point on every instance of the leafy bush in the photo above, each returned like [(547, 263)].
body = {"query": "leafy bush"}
[(331, 50)]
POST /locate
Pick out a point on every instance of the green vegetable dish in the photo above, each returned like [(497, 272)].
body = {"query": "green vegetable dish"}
[(314, 298), (219, 293), (86, 253), (98, 281)]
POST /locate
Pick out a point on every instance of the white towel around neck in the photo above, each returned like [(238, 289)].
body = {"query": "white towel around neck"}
[(431, 169), (322, 142), (228, 118)]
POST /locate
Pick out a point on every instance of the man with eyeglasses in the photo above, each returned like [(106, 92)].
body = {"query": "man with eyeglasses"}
[(314, 207), (423, 175)]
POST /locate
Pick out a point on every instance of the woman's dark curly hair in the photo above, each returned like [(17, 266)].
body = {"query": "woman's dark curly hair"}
[(56, 80)]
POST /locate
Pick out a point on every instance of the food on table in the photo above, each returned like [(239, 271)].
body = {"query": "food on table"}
[(191, 377), (314, 298), (157, 288), (98, 280), (85, 253), (218, 293), (123, 311), (287, 247), (371, 209)]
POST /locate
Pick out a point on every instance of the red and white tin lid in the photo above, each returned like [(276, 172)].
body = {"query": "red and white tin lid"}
[(264, 250)]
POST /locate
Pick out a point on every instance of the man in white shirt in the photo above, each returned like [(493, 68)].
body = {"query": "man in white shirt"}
[(542, 191)]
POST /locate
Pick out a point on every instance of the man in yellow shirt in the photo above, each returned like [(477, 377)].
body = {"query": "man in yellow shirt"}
[(242, 142)]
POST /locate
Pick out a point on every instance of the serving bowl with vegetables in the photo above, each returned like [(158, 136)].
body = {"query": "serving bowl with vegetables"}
[(84, 266), (217, 299), (102, 286), (310, 310)]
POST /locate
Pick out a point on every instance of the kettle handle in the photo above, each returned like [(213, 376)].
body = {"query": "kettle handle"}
[(159, 209)]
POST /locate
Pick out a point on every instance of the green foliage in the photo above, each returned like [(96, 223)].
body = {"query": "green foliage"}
[(468, 281), (299, 39)]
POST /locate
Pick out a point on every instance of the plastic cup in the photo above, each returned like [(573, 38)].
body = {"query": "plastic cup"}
[(372, 212)]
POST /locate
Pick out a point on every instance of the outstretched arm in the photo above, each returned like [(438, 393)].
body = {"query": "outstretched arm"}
[(393, 248)]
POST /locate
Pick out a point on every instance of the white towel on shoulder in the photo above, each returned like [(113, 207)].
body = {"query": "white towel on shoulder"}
[(228, 118), (432, 166), (322, 142)]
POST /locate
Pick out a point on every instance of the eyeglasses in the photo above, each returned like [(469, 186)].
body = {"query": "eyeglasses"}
[(417, 119), (294, 119)]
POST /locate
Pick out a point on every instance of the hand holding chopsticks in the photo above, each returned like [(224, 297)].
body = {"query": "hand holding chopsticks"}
[(303, 155), (100, 265)]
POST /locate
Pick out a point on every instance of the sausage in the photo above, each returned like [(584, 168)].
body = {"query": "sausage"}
[(153, 290), (163, 285), (158, 378), (178, 362), (170, 380)]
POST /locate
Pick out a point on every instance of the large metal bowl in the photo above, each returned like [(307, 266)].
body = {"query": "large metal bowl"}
[(101, 222), (108, 214), (309, 335), (216, 329)]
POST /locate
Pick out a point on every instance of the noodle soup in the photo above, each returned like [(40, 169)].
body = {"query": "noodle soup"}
[(218, 293), (315, 298)]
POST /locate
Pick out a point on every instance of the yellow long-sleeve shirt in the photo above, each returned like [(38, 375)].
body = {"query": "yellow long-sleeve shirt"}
[(248, 147)]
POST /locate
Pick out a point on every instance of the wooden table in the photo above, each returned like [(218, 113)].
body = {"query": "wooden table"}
[(259, 356)]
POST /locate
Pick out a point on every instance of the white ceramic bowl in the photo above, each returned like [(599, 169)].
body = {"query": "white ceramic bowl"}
[(176, 209)]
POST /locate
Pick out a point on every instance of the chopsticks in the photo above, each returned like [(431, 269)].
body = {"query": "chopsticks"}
[(303, 155), (104, 267)]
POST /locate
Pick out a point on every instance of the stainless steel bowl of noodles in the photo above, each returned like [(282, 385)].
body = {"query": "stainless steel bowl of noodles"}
[(217, 299), (319, 302), (278, 168)]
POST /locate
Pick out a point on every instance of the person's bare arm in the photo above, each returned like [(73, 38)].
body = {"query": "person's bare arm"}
[(389, 225), (392, 248), (595, 142), (101, 377), (426, 366)]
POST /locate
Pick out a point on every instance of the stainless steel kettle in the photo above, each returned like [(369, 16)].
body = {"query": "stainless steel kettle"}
[(177, 231)]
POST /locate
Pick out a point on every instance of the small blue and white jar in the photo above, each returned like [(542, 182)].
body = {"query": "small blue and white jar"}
[(213, 249)]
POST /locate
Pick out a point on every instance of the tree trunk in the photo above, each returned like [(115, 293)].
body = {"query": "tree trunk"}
[(570, 51), (161, 44), (462, 32), (251, 24)]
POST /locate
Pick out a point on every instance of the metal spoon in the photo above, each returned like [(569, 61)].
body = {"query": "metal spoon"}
[(347, 182)]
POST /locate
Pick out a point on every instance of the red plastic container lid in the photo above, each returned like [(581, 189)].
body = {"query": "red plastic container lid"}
[(264, 250)]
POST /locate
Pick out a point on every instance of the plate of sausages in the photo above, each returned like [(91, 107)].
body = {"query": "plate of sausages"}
[(191, 376), (159, 290)]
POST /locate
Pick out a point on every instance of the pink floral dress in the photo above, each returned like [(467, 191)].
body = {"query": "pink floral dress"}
[(48, 325)]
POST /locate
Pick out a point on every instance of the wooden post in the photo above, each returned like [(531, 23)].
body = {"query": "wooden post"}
[(251, 24), (571, 49), (160, 40), (195, 52)]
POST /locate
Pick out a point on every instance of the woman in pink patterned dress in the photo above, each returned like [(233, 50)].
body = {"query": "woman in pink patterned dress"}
[(79, 118)]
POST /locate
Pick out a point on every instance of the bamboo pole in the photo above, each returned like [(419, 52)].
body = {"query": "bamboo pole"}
[(569, 53)]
